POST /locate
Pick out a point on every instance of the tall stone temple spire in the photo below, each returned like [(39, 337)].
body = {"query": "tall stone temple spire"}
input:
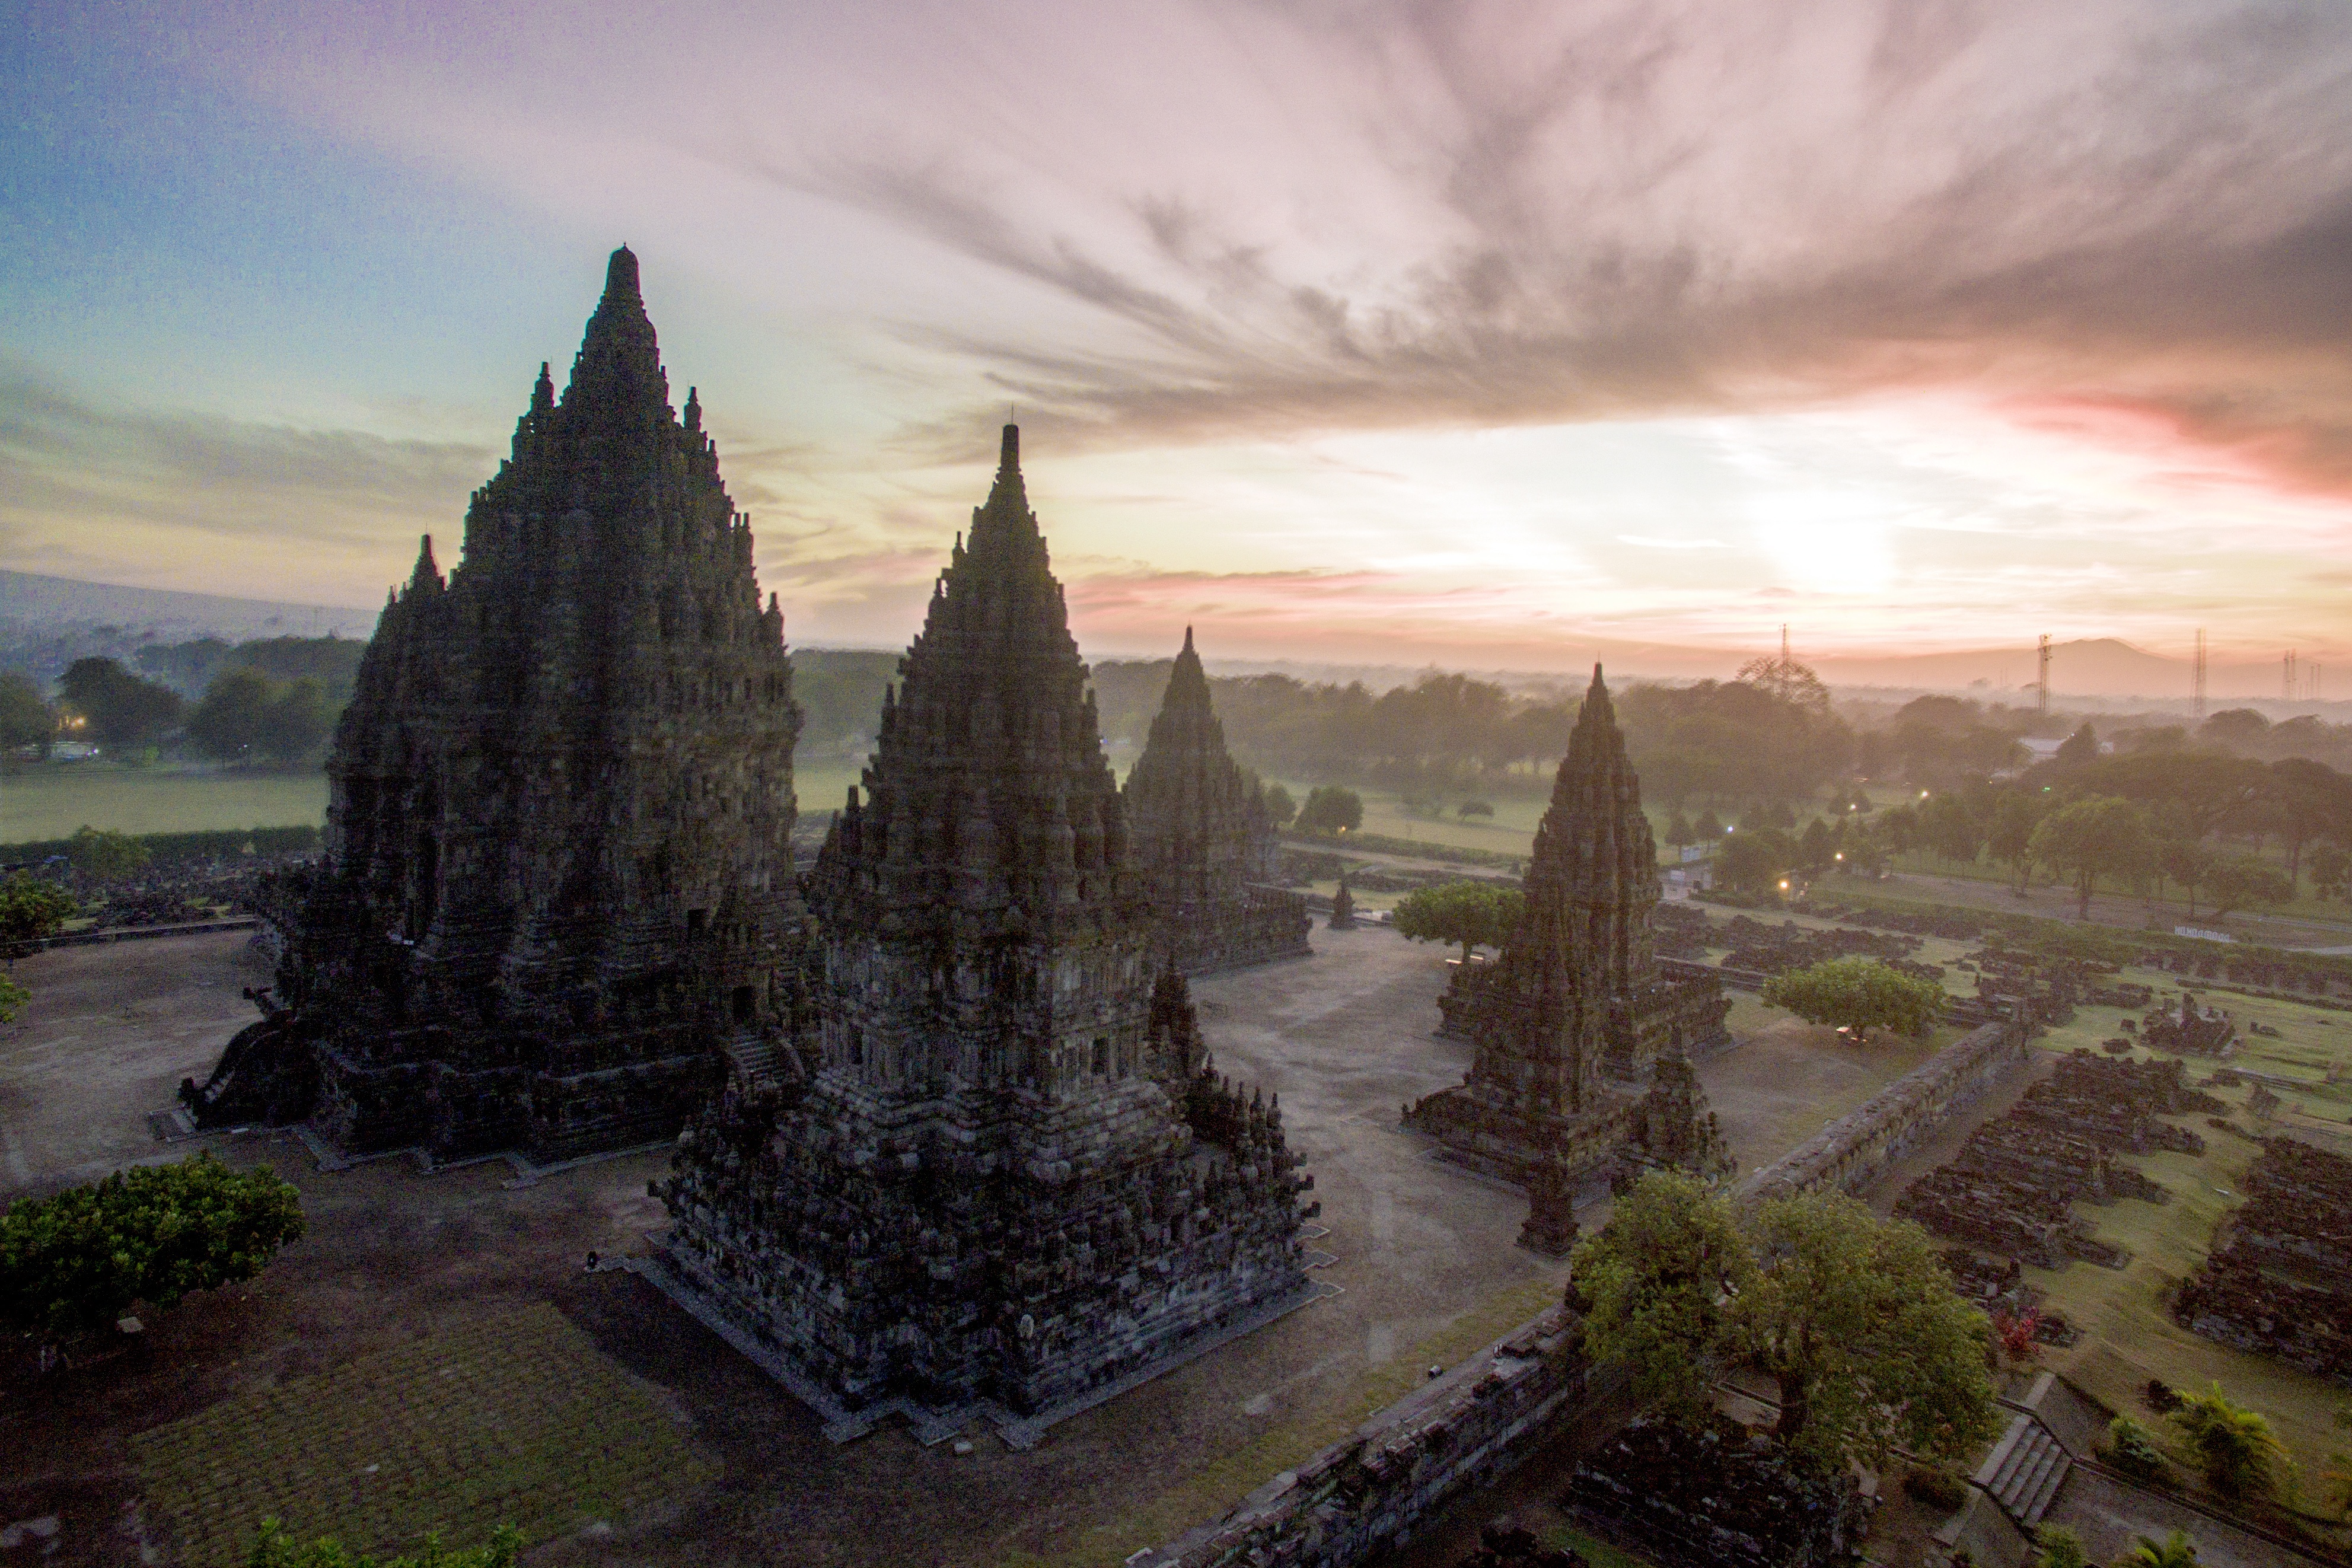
[(557, 891), (1577, 991), (1204, 844), (1012, 1177)]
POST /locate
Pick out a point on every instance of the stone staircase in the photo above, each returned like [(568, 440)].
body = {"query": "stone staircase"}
[(2024, 1471), (752, 1059)]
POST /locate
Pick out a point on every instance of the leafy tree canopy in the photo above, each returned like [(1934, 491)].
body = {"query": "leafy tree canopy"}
[(1331, 809), (2094, 836), (78, 1261), (1857, 994), (1476, 914), (1852, 1315), (123, 712), (12, 998), (1280, 809), (24, 718)]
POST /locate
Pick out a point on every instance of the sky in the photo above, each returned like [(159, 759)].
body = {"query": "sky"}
[(1482, 334)]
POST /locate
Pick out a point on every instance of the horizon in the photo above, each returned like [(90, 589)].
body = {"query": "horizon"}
[(1485, 347)]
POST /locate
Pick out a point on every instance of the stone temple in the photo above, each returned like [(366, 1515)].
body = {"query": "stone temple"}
[(1577, 998), (1202, 843), (557, 888), (1010, 1180)]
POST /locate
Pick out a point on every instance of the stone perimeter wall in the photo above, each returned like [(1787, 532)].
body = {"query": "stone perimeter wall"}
[(1369, 1490), (1851, 1152)]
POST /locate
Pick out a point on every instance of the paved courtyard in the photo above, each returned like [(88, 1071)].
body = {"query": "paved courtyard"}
[(403, 1270)]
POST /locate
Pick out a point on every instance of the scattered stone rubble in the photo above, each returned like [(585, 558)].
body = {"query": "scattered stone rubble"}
[(2011, 1189), (2187, 1029), (1713, 1496), (2281, 1283)]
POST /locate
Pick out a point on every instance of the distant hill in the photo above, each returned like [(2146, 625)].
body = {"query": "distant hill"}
[(29, 602)]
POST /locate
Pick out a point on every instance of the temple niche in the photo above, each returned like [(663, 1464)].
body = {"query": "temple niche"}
[(1575, 1000), (556, 890), (1013, 1181), (1202, 844)]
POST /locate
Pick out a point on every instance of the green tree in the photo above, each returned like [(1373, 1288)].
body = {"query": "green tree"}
[(1816, 845), (2186, 861), (299, 720), (24, 718), (78, 1261), (1753, 860), (2235, 1448), (2094, 836), (1470, 808), (2331, 871), (1948, 827), (2079, 748), (1476, 914), (1679, 830), (12, 998), (1857, 994), (123, 712), (32, 907), (1853, 1315), (1858, 1320), (1706, 829), (104, 855), (273, 1548), (1280, 809), (228, 725), (2239, 880), (2010, 836), (1656, 1284), (1330, 809), (2174, 1551)]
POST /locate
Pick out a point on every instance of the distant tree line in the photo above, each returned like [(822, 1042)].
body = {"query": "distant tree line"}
[(270, 701)]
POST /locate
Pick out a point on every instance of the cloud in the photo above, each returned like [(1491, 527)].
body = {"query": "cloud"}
[(196, 501)]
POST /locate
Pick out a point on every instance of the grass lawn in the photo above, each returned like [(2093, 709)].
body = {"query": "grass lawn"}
[(50, 801), (516, 1418)]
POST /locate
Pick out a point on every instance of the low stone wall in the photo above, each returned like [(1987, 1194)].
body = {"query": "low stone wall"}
[(1848, 1153), (1368, 1491)]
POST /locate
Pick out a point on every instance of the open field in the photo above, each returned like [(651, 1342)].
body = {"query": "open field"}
[(51, 801)]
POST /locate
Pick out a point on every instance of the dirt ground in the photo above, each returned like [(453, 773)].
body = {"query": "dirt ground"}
[(1424, 1256)]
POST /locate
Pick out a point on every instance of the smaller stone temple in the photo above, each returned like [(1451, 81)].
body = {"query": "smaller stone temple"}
[(557, 889), (1202, 843), (1576, 999), (1673, 1129), (1013, 1181)]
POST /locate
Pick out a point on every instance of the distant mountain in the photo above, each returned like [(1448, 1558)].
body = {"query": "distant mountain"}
[(32, 602)]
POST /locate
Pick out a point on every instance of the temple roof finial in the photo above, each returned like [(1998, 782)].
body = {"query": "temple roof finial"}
[(1008, 458), (621, 274)]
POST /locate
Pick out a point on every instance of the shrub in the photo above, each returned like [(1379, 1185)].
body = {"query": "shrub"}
[(78, 1261), (2235, 1448), (2131, 1451), (1936, 1486), (2061, 1548)]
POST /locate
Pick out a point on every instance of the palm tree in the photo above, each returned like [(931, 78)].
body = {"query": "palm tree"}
[(2239, 1453), (2177, 1551)]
